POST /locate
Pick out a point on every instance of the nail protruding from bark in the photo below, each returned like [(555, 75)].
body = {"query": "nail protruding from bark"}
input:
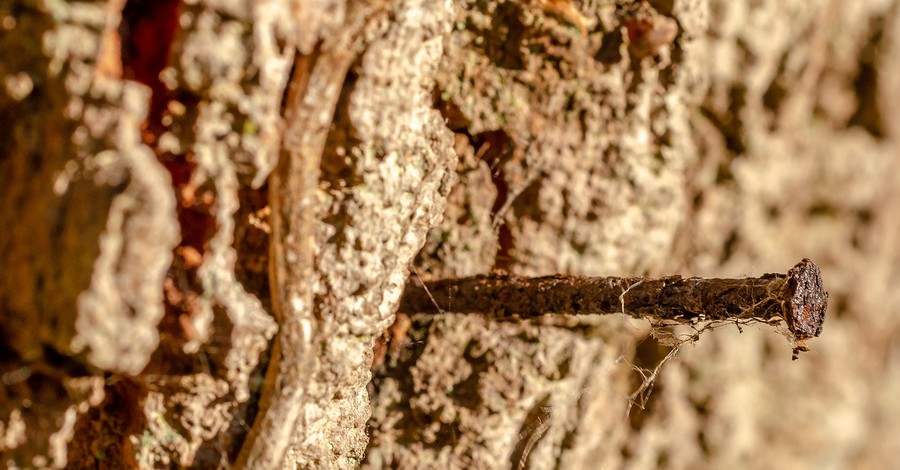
[(798, 298)]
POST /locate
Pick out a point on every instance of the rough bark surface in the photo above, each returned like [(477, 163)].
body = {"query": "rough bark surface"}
[(385, 171), (91, 225), (760, 140), (586, 146), (142, 327)]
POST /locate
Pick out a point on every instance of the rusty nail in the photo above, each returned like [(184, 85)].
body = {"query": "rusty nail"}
[(798, 298)]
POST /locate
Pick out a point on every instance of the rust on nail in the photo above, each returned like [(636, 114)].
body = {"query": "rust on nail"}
[(798, 298)]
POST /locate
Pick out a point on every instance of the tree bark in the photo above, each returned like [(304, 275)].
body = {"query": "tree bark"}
[(211, 209)]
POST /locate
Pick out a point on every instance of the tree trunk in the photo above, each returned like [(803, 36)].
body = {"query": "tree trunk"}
[(212, 207)]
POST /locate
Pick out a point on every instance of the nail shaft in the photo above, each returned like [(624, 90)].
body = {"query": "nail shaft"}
[(798, 298)]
